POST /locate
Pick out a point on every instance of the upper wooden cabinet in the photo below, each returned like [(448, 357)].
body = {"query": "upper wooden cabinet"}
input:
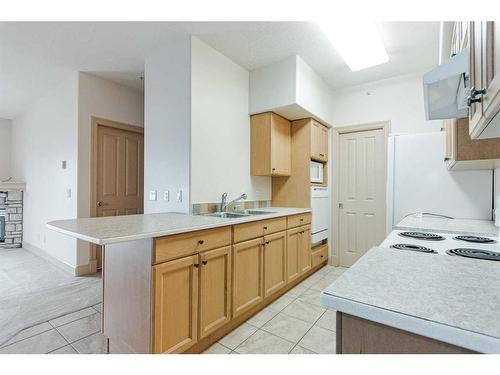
[(319, 142), (270, 145), (462, 152), (484, 47)]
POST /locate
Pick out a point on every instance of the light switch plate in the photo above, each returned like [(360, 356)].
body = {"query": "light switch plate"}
[(152, 195), (179, 196), (166, 195)]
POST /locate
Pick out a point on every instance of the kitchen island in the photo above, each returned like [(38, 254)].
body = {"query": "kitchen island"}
[(394, 301), (176, 283)]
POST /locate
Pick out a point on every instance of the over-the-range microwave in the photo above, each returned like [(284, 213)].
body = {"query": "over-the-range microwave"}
[(316, 172)]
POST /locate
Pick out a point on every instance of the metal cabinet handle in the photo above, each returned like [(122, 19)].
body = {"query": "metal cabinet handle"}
[(204, 262), (196, 265), (472, 98), (201, 242), (301, 219), (321, 154), (265, 228), (99, 204)]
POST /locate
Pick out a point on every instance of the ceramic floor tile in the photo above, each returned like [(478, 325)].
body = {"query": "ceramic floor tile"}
[(328, 320), (28, 332), (311, 280), (311, 296), (262, 317), (287, 327), (304, 311), (281, 303), (322, 284), (65, 319), (93, 344), (300, 350), (68, 349), (237, 336), (262, 342), (319, 340), (296, 291), (40, 344), (217, 349), (81, 328)]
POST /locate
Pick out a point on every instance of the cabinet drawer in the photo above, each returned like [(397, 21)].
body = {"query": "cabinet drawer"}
[(247, 231), (298, 220), (319, 255), (179, 245)]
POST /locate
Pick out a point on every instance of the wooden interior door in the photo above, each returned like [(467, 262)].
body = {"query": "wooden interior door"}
[(247, 275), (215, 289), (293, 254), (305, 248), (175, 305), (118, 171), (274, 262), (362, 178)]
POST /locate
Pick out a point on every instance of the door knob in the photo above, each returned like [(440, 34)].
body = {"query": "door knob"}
[(99, 204)]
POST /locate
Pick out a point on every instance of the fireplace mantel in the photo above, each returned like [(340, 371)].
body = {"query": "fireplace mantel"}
[(12, 186)]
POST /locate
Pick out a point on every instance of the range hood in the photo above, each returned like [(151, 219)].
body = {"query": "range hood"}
[(446, 88)]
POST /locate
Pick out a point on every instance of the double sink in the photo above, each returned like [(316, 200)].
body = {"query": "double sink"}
[(238, 214)]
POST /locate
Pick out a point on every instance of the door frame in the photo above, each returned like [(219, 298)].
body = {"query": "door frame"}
[(385, 126), (95, 123)]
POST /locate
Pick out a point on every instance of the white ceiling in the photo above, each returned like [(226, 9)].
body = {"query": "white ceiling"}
[(34, 57)]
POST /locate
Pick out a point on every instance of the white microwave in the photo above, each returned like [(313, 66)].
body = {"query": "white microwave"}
[(316, 172)]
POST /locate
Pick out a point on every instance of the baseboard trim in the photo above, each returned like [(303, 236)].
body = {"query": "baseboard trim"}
[(74, 271)]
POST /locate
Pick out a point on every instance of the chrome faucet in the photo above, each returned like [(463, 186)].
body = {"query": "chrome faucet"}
[(224, 205)]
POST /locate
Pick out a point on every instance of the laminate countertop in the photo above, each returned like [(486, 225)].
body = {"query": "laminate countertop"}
[(451, 299), (437, 224), (114, 229)]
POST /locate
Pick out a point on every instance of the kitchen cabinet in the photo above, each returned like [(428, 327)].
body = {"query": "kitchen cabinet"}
[(305, 249), (293, 254), (319, 142), (254, 229), (275, 252), (462, 152), (270, 141), (484, 47), (175, 301), (215, 290), (248, 278), (319, 255)]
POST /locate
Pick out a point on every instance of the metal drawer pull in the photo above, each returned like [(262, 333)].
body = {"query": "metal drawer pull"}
[(196, 265), (201, 242), (265, 228), (204, 262)]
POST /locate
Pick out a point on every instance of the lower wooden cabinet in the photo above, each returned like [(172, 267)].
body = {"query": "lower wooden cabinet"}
[(293, 254), (248, 278), (215, 290), (274, 263), (175, 312), (305, 249)]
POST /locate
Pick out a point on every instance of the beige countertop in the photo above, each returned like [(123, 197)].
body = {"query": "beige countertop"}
[(107, 230), (437, 224)]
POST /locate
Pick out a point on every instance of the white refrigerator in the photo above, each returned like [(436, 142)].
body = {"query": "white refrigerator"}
[(418, 181)]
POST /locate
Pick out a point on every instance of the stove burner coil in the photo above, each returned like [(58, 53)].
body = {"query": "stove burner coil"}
[(474, 253), (422, 236), (405, 246), (474, 239)]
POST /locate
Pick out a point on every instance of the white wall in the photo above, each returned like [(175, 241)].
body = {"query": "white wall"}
[(44, 136), (399, 100), (5, 148), (220, 129), (106, 99), (167, 123)]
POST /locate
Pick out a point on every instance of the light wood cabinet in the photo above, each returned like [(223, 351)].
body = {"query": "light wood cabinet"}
[(254, 229), (215, 290), (248, 288), (319, 255), (293, 254), (274, 263), (270, 138), (175, 301), (484, 49), (305, 249), (319, 142)]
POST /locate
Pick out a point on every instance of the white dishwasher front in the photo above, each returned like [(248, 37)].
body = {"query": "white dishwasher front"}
[(320, 204)]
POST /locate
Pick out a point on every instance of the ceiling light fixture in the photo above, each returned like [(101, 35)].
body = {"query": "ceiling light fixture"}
[(359, 44)]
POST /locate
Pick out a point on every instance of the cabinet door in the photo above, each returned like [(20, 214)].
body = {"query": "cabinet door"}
[(324, 143), (490, 67), (319, 141), (247, 275), (305, 248), (293, 269), (175, 288), (274, 262), (476, 109), (281, 146), (215, 289)]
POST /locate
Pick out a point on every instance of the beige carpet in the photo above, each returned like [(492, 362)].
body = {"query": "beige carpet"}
[(33, 291)]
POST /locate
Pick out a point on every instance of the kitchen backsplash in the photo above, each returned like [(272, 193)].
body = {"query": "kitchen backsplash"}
[(207, 208)]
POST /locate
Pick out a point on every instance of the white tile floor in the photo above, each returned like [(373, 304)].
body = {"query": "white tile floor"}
[(296, 323)]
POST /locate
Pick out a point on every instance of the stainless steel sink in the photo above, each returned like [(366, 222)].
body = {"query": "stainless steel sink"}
[(257, 212), (227, 215)]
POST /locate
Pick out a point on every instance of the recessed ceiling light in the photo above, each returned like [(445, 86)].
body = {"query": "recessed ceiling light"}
[(359, 43)]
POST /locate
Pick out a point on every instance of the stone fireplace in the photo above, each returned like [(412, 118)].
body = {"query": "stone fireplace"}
[(11, 215)]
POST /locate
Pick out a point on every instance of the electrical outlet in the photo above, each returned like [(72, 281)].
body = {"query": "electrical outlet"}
[(179, 196), (152, 195), (166, 196)]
